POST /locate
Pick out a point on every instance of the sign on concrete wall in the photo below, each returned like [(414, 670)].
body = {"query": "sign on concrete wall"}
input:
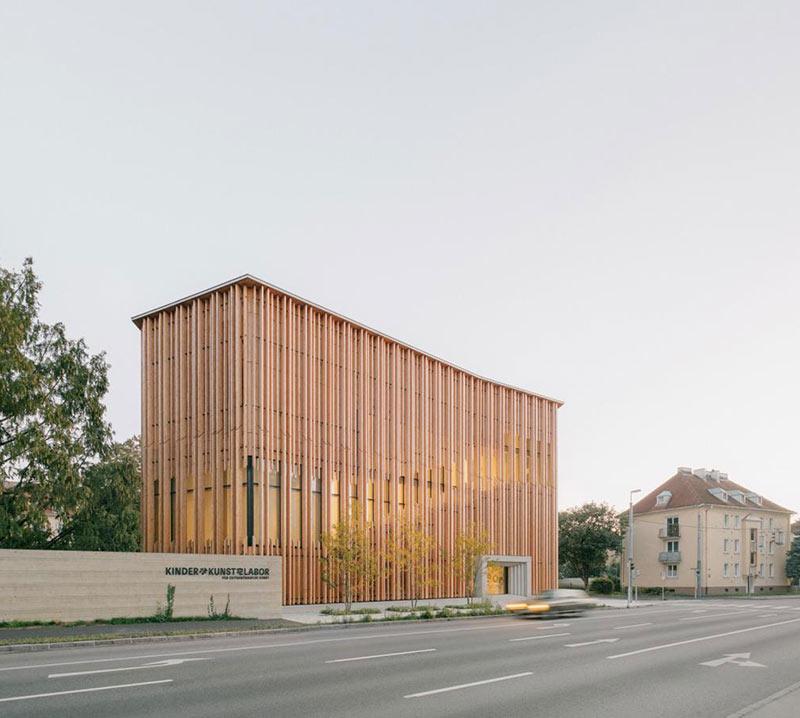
[(87, 585)]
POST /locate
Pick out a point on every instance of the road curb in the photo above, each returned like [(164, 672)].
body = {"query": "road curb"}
[(159, 638)]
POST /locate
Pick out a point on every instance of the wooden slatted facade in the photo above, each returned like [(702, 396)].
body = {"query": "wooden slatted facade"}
[(330, 411)]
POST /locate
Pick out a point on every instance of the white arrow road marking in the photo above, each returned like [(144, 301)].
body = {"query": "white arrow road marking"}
[(738, 659), (591, 643), (156, 664), (536, 638), (83, 690), (555, 625)]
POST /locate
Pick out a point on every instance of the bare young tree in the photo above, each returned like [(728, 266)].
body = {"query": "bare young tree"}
[(349, 561)]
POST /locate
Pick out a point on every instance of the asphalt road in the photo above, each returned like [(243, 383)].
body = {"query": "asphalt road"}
[(713, 658)]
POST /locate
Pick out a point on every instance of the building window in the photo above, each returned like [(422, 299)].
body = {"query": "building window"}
[(761, 570), (772, 570), (725, 545), (725, 521), (736, 570), (770, 524), (772, 547), (672, 545), (736, 546), (737, 522), (672, 570), (752, 558), (673, 527), (725, 570)]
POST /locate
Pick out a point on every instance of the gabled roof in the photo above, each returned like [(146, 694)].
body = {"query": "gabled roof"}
[(687, 489), (250, 280)]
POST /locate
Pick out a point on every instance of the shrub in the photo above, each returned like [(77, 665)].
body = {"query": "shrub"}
[(216, 615), (601, 584)]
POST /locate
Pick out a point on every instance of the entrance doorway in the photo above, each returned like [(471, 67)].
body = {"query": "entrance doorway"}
[(496, 579)]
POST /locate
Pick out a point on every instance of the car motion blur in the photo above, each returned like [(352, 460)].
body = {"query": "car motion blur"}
[(560, 602)]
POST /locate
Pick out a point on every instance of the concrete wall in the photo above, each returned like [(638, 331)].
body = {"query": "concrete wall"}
[(86, 585)]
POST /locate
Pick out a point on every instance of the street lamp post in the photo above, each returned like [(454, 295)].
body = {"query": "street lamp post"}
[(630, 546)]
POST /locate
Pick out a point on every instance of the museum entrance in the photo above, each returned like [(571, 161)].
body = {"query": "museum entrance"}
[(496, 579)]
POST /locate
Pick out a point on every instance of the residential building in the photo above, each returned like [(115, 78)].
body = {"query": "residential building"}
[(265, 417), (702, 523)]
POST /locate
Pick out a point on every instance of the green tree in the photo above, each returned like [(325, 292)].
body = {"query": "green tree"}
[(52, 416), (585, 536), (411, 550), (349, 563), (469, 546), (793, 560), (108, 511)]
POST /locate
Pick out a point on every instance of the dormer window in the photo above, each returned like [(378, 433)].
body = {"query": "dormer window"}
[(663, 498), (755, 498), (737, 496), (721, 494)]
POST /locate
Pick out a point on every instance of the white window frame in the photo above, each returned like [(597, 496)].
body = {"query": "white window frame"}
[(725, 570), (726, 546), (772, 570), (737, 521), (736, 570), (672, 570), (737, 547), (725, 521)]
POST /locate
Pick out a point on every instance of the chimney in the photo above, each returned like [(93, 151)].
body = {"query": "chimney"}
[(684, 469), (701, 474)]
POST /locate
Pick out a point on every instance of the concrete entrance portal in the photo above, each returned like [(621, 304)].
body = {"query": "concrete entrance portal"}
[(502, 575)]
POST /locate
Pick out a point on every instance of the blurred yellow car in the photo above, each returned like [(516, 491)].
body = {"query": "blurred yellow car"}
[(560, 602)]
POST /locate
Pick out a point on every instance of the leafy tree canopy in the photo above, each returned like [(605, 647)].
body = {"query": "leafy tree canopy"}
[(52, 416), (793, 560), (585, 536), (106, 517)]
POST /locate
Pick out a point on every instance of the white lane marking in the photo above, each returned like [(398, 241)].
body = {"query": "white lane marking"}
[(591, 643), (380, 655), (155, 664), (468, 685), (767, 615), (632, 625), (700, 610), (753, 707), (718, 615), (555, 625), (536, 638), (507, 624), (703, 638), (83, 690), (738, 659)]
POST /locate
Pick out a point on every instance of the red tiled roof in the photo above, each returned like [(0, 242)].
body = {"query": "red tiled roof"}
[(687, 489)]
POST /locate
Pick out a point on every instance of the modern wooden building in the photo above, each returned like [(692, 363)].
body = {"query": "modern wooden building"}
[(264, 416)]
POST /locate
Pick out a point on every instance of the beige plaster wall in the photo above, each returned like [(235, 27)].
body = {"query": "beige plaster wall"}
[(87, 585)]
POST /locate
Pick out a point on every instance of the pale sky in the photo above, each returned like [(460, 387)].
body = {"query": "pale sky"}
[(595, 201)]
